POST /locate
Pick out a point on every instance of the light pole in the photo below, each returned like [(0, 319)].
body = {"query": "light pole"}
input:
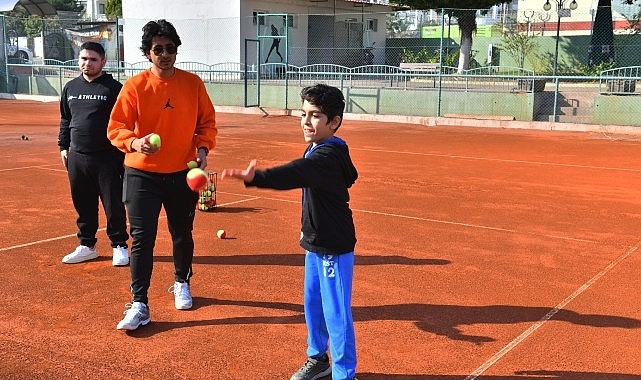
[(560, 12), (528, 14), (544, 19)]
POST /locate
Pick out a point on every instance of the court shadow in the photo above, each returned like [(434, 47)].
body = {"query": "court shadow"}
[(233, 210), (298, 259), (548, 375), (444, 320)]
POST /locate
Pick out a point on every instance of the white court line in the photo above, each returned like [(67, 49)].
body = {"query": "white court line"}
[(3, 249), (479, 371), (442, 221), (43, 167), (240, 201), (464, 157), (499, 160), (474, 226)]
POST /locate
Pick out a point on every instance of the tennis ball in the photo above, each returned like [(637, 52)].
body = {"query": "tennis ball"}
[(221, 234), (196, 179), (154, 140), (192, 164)]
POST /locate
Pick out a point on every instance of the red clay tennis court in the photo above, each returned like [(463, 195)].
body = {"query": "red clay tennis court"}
[(482, 253)]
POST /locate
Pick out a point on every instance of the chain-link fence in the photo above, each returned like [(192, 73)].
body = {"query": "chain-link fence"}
[(561, 64)]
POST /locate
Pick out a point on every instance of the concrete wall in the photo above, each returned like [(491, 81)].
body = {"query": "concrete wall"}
[(387, 101), (622, 110), (617, 109)]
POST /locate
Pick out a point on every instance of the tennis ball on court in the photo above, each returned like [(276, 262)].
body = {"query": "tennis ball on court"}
[(154, 140), (192, 164), (196, 179), (221, 234)]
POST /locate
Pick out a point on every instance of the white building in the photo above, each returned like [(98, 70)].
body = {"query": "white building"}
[(217, 31), (574, 22), (94, 9)]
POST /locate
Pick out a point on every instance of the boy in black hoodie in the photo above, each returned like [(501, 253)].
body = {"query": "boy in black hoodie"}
[(94, 166), (325, 173)]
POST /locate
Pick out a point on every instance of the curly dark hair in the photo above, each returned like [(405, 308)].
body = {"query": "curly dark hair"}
[(160, 28), (329, 99)]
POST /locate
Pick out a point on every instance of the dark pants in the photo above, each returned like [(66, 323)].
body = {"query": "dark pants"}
[(144, 193), (92, 177)]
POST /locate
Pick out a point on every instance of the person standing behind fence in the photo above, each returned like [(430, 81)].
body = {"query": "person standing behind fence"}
[(325, 173), (174, 104), (94, 166)]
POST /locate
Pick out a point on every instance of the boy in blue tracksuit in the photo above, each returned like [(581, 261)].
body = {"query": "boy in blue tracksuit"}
[(325, 173)]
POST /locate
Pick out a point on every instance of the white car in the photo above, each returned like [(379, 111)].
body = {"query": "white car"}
[(20, 52)]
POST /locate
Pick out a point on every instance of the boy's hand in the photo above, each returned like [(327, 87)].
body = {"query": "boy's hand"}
[(246, 175)]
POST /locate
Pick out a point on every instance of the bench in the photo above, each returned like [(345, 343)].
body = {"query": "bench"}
[(423, 68)]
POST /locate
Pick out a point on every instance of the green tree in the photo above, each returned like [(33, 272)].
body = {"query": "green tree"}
[(519, 46), (395, 25), (33, 26), (635, 20), (113, 9), (66, 5), (465, 13)]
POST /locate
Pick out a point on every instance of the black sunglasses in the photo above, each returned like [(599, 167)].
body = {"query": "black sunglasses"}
[(159, 49)]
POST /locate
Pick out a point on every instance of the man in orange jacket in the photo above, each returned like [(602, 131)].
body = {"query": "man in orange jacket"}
[(173, 104)]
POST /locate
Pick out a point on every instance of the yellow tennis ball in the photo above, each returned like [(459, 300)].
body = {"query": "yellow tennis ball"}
[(221, 234), (154, 140)]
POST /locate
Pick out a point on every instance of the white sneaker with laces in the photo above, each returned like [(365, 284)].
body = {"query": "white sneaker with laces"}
[(82, 253), (121, 257), (182, 295), (137, 314)]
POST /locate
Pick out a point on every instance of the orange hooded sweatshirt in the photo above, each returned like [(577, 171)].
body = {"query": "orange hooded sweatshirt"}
[(176, 108)]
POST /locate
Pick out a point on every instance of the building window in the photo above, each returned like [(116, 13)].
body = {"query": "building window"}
[(291, 21), (372, 24), (258, 18)]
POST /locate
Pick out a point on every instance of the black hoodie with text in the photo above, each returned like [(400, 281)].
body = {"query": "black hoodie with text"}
[(85, 108), (325, 173)]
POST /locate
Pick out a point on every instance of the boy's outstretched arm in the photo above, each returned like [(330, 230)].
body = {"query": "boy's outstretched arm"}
[(246, 175)]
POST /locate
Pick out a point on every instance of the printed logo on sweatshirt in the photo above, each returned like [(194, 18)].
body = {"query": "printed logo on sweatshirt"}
[(87, 97), (168, 104)]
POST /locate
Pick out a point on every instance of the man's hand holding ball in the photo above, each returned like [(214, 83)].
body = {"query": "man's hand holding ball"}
[(149, 144)]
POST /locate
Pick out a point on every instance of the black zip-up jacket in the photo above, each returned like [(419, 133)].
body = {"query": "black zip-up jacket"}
[(325, 173), (90, 103)]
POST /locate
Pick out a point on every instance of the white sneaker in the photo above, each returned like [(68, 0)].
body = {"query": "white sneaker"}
[(137, 314), (121, 257), (182, 295), (82, 253)]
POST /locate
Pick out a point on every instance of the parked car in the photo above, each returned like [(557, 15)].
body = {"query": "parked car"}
[(22, 53)]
